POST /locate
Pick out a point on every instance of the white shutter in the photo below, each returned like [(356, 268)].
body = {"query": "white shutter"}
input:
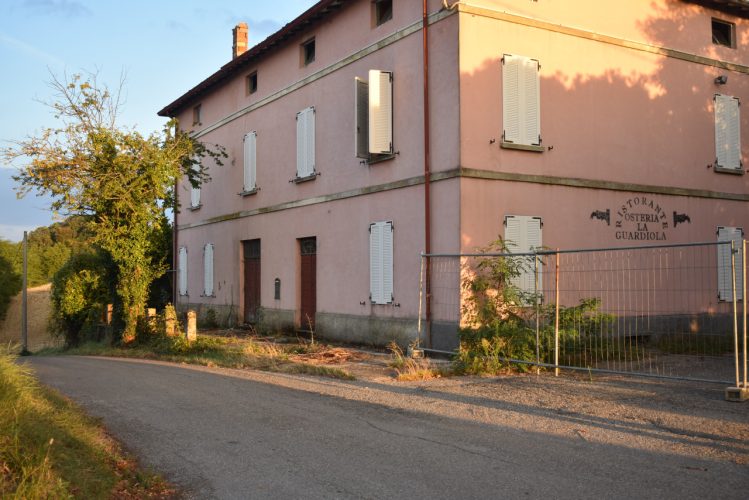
[(521, 106), (380, 112), (195, 192), (208, 270), (381, 262), (725, 284), (182, 271), (727, 132), (250, 159), (523, 235), (361, 118), (305, 142)]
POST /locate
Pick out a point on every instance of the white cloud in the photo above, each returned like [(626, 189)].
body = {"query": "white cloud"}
[(13, 232)]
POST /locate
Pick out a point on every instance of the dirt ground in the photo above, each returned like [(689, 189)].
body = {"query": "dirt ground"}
[(38, 319)]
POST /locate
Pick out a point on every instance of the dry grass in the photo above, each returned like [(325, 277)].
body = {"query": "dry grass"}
[(39, 309), (409, 369), (50, 449)]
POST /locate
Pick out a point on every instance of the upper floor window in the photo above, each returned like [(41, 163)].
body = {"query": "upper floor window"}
[(382, 11), (250, 163), (724, 33), (308, 52), (305, 144), (374, 116), (197, 115), (252, 83), (521, 106), (727, 134)]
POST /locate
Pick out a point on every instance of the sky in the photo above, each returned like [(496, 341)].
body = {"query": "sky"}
[(163, 47)]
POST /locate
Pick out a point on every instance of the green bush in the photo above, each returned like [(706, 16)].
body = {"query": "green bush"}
[(10, 285), (80, 294)]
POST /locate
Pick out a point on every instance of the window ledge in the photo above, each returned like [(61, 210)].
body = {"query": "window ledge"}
[(208, 296), (298, 180), (522, 147), (378, 158), (195, 207), (724, 170), (250, 192)]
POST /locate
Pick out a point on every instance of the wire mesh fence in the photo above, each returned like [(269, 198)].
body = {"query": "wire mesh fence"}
[(667, 311)]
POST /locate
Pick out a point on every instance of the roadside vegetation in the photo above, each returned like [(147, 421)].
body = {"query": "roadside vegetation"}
[(50, 449)]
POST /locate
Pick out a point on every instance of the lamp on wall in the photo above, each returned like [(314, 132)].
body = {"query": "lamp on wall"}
[(721, 80)]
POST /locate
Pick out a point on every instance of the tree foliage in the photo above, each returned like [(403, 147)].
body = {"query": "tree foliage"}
[(10, 279), (121, 180)]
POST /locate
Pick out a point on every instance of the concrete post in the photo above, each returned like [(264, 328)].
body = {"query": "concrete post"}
[(192, 325), (170, 320)]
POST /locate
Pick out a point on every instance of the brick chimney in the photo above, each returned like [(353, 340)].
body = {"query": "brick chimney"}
[(240, 40)]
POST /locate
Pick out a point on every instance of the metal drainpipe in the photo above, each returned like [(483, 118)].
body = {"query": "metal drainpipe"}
[(427, 174)]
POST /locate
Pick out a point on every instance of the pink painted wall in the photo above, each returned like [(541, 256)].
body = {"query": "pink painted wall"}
[(341, 227), (611, 114)]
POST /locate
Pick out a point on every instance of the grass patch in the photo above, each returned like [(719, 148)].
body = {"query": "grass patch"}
[(50, 449), (226, 352), (409, 369)]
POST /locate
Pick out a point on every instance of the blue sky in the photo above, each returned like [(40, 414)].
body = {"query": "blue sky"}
[(164, 48)]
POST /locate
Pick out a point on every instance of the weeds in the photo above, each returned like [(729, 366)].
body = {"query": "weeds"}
[(407, 368)]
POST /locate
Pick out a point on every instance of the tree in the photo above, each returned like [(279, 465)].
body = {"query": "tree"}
[(10, 280), (122, 181)]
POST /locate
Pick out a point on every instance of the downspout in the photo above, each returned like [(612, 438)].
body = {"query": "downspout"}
[(175, 247), (427, 175)]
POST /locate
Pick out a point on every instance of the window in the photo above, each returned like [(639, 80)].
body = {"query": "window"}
[(305, 144), (727, 134), (724, 33), (725, 282), (252, 83), (383, 11), (182, 271), (208, 270), (250, 162), (308, 52), (195, 191), (523, 235), (381, 262), (373, 107), (196, 115), (521, 108)]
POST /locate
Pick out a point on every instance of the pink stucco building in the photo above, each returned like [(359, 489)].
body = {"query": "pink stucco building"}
[(344, 166)]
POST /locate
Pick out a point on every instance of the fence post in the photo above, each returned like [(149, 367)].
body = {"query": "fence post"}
[(556, 318), (735, 317), (536, 298), (421, 297)]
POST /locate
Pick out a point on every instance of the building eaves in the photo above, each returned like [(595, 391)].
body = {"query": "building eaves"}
[(304, 21), (735, 7)]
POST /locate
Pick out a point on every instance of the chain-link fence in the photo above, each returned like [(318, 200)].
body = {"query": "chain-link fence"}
[(672, 311)]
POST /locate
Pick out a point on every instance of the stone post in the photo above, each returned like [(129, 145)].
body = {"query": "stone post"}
[(170, 320), (192, 325)]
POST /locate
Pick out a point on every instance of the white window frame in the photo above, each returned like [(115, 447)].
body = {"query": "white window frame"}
[(521, 103), (208, 279), (727, 133), (249, 163), (528, 238), (381, 262), (725, 285), (373, 115), (305, 144), (182, 271)]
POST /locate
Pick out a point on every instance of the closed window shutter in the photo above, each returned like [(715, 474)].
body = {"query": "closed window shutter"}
[(521, 106), (727, 132), (182, 268), (208, 270), (250, 158), (195, 192), (523, 235), (381, 262), (380, 112), (725, 284), (361, 118), (305, 136)]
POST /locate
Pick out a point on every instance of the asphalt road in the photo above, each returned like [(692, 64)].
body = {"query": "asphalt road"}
[(231, 434)]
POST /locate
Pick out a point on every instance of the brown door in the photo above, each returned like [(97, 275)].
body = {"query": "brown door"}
[(308, 248), (251, 280)]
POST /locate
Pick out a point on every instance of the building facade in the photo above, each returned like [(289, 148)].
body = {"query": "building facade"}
[(602, 125)]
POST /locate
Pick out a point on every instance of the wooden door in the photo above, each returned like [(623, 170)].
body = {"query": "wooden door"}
[(251, 280), (308, 283)]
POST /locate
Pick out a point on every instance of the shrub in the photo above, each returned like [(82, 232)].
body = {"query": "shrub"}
[(10, 285)]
